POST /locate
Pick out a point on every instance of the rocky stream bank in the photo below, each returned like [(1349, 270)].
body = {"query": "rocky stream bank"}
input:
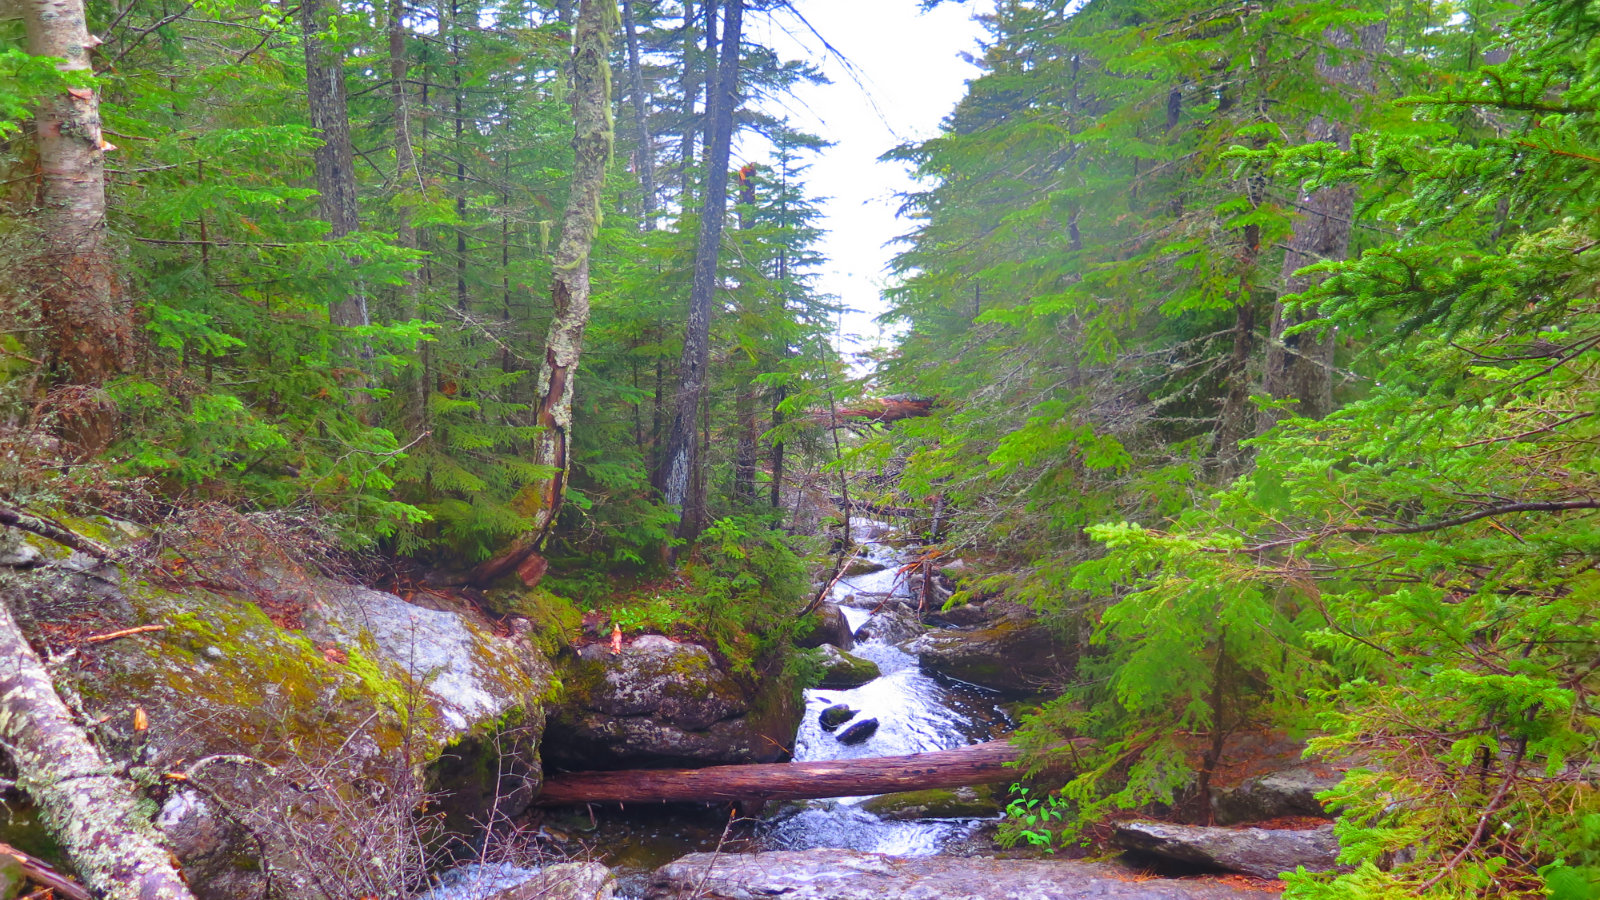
[(302, 737)]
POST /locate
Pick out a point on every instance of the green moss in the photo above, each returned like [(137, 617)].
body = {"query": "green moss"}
[(556, 620), (942, 803)]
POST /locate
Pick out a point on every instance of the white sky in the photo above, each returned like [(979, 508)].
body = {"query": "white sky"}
[(911, 77)]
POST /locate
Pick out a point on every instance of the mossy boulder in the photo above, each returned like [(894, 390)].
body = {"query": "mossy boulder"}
[(665, 702), (825, 625), (944, 803), (841, 670), (1015, 654), (297, 713)]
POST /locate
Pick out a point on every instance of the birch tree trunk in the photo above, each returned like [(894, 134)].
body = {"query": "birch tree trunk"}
[(676, 479), (334, 159), (90, 333), (592, 139), (406, 178), (93, 813)]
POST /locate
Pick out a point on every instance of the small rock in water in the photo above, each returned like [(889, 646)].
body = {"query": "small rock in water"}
[(858, 732), (834, 716)]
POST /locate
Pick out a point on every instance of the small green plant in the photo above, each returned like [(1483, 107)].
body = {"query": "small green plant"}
[(1039, 820)]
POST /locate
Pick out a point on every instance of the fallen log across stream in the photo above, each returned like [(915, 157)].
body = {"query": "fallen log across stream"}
[(978, 764)]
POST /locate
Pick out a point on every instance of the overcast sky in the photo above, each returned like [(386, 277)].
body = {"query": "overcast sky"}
[(911, 73)]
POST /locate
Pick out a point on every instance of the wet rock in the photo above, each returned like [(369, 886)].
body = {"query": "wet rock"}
[(859, 732), (1017, 654), (666, 702), (827, 625), (1262, 852), (1291, 791), (834, 716), (948, 803), (893, 624), (563, 881), (841, 670), (852, 875), (20, 556), (965, 615), (864, 565)]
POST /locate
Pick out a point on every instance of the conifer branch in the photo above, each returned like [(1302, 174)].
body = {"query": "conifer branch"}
[(1421, 528)]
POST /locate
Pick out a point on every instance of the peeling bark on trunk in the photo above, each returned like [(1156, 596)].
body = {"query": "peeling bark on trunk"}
[(677, 476), (93, 813), (592, 139), (334, 158), (1300, 366), (90, 333)]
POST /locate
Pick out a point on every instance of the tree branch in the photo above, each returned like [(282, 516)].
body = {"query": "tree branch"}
[(1422, 528)]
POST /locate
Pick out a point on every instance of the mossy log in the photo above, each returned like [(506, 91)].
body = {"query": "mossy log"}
[(988, 763), (92, 811)]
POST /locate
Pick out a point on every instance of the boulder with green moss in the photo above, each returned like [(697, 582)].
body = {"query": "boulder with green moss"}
[(943, 803), (665, 702), (842, 671), (287, 721)]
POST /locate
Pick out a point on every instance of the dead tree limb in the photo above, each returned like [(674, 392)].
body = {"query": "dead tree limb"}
[(41, 873), (94, 813), (882, 410), (989, 763), (50, 531)]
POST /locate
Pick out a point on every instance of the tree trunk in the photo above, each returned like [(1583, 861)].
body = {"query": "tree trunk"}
[(334, 158), (1300, 366), (641, 119), (96, 815), (90, 333), (406, 178), (691, 92), (744, 454), (988, 763), (682, 458), (592, 140)]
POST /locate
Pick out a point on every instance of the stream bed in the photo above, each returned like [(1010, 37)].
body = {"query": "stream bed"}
[(916, 713)]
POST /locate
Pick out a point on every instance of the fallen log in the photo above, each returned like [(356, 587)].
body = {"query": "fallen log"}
[(988, 763), (881, 410)]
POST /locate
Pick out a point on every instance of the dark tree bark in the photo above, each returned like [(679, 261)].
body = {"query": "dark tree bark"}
[(406, 178), (330, 116), (676, 480), (593, 138), (744, 454), (978, 764), (691, 94), (645, 142), (90, 333), (1300, 366)]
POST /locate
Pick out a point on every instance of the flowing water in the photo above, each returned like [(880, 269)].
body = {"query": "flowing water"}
[(916, 713)]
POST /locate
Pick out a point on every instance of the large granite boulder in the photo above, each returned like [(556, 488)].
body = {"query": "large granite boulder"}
[(301, 712), (1263, 852), (661, 702), (852, 875), (1015, 654)]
